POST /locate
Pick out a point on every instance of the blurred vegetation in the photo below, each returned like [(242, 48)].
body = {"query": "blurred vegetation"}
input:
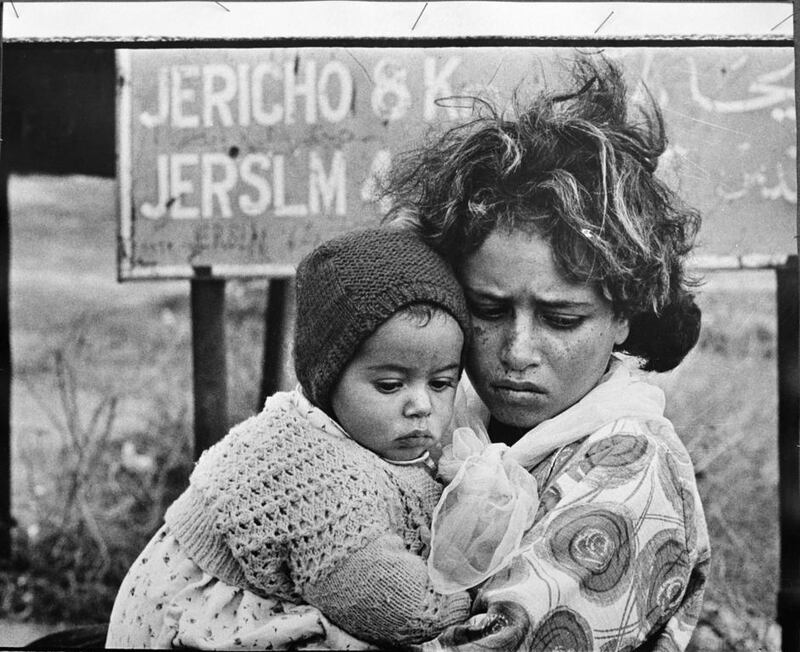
[(111, 450), (94, 496), (723, 402)]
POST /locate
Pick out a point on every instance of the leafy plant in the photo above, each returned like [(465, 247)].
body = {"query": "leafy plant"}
[(107, 495)]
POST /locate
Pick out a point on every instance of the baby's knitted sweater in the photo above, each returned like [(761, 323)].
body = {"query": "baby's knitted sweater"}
[(287, 505)]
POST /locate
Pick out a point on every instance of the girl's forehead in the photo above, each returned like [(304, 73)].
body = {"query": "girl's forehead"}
[(521, 264), (509, 254)]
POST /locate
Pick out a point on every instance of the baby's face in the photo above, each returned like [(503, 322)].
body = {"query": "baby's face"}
[(396, 395)]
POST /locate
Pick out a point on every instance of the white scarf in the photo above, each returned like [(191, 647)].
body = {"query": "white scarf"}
[(619, 393)]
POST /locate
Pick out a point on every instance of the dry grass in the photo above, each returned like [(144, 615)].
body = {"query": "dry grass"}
[(723, 401)]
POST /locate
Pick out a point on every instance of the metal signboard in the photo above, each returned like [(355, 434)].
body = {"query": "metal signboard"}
[(236, 162)]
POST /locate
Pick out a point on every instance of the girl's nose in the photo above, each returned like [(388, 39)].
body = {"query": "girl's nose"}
[(418, 404), (522, 344)]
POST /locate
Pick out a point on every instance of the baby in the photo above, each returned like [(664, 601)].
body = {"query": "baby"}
[(313, 515)]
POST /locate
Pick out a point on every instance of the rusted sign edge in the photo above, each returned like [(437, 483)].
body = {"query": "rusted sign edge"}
[(733, 262), (183, 272), (222, 271), (125, 267)]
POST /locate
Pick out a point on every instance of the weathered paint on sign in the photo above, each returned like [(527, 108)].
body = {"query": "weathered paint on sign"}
[(241, 160)]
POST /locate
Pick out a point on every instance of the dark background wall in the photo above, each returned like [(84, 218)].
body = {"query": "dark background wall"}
[(58, 110)]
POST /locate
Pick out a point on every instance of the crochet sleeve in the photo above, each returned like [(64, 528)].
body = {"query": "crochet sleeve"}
[(355, 568), (315, 519), (618, 554), (290, 501), (381, 593)]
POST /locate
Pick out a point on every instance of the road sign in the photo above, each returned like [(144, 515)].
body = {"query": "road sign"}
[(238, 161)]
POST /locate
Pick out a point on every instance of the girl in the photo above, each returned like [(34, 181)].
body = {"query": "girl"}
[(571, 252)]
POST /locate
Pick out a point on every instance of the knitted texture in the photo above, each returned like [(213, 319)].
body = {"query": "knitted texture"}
[(415, 613), (349, 286), (288, 506)]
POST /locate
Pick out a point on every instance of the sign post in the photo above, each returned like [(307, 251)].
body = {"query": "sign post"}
[(209, 369), (788, 293), (788, 290), (6, 520), (280, 300)]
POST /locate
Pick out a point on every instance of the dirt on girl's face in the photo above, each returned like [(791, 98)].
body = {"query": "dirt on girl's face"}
[(539, 341)]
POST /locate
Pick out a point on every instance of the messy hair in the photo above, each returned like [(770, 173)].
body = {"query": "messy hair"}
[(577, 170)]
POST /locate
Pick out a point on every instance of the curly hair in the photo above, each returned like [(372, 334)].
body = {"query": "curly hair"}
[(575, 169)]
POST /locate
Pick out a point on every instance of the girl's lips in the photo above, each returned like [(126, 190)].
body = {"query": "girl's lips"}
[(519, 386), (519, 393)]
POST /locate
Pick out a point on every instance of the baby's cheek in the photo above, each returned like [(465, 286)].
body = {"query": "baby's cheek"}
[(443, 413), (441, 417)]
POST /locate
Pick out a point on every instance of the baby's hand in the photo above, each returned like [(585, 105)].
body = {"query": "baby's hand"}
[(425, 537), (482, 515), (466, 442)]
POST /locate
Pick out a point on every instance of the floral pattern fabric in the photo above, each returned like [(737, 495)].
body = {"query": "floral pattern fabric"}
[(617, 557)]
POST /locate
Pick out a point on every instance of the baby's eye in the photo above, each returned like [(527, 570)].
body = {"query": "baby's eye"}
[(388, 386)]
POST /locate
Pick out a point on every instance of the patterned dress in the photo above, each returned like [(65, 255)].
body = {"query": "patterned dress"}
[(618, 554), (166, 600)]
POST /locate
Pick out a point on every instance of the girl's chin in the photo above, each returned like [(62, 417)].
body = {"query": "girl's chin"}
[(518, 416)]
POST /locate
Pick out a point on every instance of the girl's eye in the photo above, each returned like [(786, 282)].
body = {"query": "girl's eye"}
[(441, 384), (487, 310), (564, 322), (388, 386)]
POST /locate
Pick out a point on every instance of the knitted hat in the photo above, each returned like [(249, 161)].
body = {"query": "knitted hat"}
[(350, 285)]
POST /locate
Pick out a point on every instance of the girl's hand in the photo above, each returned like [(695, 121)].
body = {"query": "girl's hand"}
[(505, 626)]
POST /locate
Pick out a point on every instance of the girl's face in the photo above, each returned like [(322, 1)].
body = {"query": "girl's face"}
[(540, 342), (396, 395)]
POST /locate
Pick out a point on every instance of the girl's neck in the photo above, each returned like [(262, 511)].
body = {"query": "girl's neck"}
[(500, 433)]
